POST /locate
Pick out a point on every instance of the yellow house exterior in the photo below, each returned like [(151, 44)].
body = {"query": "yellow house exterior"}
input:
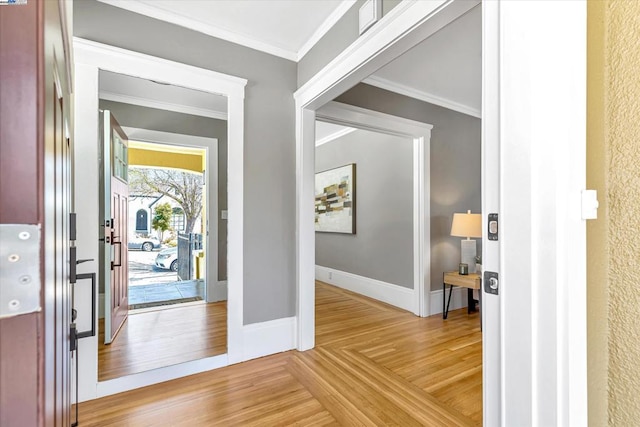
[(173, 157), (613, 241)]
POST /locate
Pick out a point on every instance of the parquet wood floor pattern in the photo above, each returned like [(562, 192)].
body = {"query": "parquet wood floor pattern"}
[(373, 365), (163, 337)]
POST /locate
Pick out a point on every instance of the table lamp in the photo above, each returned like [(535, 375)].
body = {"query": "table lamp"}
[(467, 225)]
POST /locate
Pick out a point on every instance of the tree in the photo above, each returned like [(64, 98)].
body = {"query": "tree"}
[(183, 187), (162, 218)]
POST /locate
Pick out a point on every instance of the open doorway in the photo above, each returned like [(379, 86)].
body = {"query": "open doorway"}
[(167, 253), (148, 119), (173, 306), (437, 82)]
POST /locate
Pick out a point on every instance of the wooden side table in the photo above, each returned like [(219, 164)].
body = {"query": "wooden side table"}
[(470, 281)]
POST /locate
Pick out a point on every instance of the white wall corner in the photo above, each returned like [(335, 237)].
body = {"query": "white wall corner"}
[(395, 295), (265, 338)]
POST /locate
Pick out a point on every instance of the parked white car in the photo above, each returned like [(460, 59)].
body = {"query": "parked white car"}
[(146, 244), (168, 259)]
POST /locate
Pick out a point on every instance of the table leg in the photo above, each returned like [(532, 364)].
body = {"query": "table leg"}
[(470, 302), (446, 312), (444, 297)]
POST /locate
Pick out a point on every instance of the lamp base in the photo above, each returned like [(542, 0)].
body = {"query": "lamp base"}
[(468, 254)]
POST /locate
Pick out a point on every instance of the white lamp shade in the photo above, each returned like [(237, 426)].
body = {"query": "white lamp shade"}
[(466, 225)]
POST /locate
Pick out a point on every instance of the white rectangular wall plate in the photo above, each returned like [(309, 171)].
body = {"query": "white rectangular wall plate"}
[(369, 14)]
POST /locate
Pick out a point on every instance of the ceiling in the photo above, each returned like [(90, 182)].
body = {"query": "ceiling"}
[(285, 28), (445, 69), (146, 93)]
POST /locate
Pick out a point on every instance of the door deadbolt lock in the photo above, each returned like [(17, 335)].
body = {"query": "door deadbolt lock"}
[(491, 282), (493, 226)]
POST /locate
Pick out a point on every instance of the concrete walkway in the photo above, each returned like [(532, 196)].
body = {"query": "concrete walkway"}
[(166, 291)]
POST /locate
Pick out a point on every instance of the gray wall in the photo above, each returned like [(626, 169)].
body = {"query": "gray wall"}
[(455, 166), (269, 146), (184, 124), (336, 40), (382, 247)]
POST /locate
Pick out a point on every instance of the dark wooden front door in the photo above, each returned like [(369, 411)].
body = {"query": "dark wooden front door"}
[(116, 212), (35, 190)]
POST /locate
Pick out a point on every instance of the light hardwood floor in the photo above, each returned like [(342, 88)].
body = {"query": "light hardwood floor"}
[(163, 337), (373, 365)]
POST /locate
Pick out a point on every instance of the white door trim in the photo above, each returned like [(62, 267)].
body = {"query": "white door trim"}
[(90, 57), (492, 373), (420, 134), (211, 201), (534, 169)]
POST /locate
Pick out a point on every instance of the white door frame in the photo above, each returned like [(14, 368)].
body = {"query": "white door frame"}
[(533, 82), (90, 57), (420, 135), (534, 170), (402, 28)]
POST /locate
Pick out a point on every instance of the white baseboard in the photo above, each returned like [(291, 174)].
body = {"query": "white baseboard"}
[(458, 300), (217, 291), (159, 375), (265, 338), (395, 295)]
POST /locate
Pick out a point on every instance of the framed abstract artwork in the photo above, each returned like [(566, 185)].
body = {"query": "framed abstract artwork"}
[(335, 200)]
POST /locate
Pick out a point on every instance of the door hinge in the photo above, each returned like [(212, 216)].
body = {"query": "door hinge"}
[(590, 204), (19, 269)]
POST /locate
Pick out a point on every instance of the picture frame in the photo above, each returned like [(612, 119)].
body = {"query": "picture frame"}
[(335, 200)]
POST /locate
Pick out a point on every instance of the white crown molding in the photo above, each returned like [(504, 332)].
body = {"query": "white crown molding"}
[(335, 135), (325, 27), (193, 24), (161, 105), (422, 96)]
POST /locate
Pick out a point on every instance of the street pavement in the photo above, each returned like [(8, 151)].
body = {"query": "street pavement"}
[(143, 271)]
